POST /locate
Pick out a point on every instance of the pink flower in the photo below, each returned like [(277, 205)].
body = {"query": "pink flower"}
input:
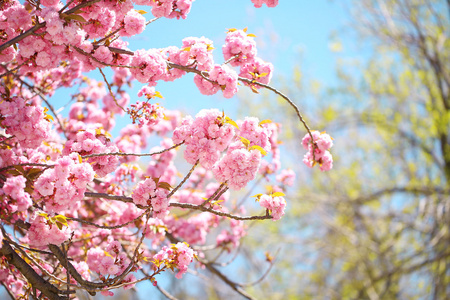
[(226, 78), (205, 137), (171, 8), (103, 54), (42, 233), (275, 205), (50, 2), (286, 177), (238, 167), (151, 66), (180, 254), (134, 23), (269, 3), (238, 43), (257, 70), (318, 151), (146, 193)]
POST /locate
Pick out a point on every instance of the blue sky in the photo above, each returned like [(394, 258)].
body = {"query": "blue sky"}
[(286, 33)]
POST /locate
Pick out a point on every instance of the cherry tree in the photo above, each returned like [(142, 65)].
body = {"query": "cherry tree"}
[(80, 209)]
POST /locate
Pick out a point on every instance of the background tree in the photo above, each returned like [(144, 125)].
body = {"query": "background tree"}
[(377, 227)]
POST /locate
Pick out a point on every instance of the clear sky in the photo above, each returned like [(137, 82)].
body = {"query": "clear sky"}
[(283, 32)]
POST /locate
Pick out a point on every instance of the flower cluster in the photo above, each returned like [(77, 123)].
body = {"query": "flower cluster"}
[(152, 193), (269, 3), (231, 237), (151, 66), (257, 133), (205, 137), (286, 177), (168, 8), (238, 167), (91, 142), (146, 114), (13, 196), (318, 151), (275, 203), (134, 23), (29, 124), (220, 78), (43, 232), (240, 51), (195, 52), (65, 184), (177, 256), (240, 45), (109, 261), (257, 70)]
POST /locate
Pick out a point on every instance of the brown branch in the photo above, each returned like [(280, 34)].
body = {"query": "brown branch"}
[(13, 70), (265, 273), (30, 274), (65, 262), (250, 81), (235, 286), (213, 196), (219, 213), (110, 91), (26, 165), (107, 196), (40, 25), (183, 181), (22, 36), (181, 205), (412, 190), (103, 226), (81, 51), (132, 154), (80, 6)]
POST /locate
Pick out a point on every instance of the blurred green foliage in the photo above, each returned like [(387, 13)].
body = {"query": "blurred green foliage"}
[(377, 225)]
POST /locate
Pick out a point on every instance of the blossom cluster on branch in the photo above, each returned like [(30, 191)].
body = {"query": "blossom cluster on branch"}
[(87, 213)]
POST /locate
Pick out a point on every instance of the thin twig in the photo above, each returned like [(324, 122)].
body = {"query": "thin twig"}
[(133, 154), (81, 51), (183, 181), (26, 165), (219, 213), (182, 205), (110, 91), (104, 226)]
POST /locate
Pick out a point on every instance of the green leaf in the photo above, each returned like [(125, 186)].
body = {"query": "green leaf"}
[(62, 219), (257, 197), (142, 12), (165, 185), (76, 18), (265, 122), (278, 194), (42, 214), (259, 148), (231, 122), (245, 141)]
